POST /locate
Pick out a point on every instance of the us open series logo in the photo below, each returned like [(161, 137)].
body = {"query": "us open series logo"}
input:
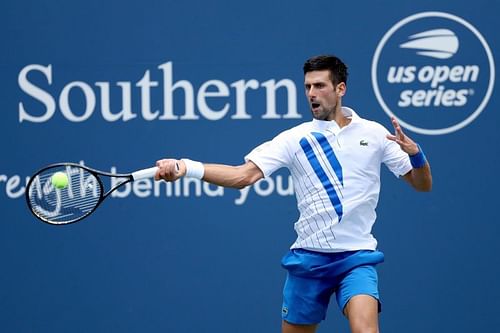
[(434, 72)]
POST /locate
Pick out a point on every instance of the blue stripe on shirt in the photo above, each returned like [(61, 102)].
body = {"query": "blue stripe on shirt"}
[(325, 181), (330, 155)]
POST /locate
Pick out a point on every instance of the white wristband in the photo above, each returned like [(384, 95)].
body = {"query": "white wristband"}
[(194, 169)]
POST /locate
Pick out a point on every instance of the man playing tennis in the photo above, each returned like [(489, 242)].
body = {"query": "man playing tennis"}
[(335, 163)]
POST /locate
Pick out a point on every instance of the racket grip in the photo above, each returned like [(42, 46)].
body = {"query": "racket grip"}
[(144, 173)]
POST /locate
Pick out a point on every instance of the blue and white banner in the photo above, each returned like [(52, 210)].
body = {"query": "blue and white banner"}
[(118, 85)]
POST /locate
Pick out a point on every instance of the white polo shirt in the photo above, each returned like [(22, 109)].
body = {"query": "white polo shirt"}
[(336, 177)]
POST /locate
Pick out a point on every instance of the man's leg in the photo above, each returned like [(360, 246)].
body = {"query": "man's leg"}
[(359, 298), (362, 313), (286, 327)]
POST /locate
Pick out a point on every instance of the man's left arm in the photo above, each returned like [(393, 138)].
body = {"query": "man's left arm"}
[(420, 177)]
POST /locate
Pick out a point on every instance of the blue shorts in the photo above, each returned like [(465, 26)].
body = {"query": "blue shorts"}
[(314, 276)]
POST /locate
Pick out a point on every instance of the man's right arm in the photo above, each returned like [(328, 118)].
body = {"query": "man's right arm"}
[(219, 174)]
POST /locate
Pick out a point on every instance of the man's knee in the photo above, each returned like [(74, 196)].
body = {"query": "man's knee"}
[(294, 328), (362, 313), (360, 327)]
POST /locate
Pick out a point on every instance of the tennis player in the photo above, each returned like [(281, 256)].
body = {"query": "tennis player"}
[(335, 164)]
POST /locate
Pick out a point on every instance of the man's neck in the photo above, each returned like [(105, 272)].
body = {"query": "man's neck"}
[(340, 118)]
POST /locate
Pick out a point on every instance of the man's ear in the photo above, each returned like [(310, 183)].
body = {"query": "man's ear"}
[(341, 89)]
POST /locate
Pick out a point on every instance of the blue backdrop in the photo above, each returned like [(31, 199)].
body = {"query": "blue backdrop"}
[(120, 84)]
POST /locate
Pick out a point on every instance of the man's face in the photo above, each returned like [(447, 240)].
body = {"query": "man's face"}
[(324, 99)]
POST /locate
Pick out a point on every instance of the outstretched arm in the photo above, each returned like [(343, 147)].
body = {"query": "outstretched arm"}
[(419, 178), (218, 174)]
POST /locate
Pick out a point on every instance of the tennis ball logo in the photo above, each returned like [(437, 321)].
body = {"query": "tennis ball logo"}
[(59, 180), (434, 72)]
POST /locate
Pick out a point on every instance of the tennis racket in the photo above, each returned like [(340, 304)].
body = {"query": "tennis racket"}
[(76, 198)]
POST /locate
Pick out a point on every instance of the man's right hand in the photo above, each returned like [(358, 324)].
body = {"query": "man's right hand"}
[(170, 169)]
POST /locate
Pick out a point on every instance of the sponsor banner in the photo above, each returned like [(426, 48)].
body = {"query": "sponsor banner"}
[(77, 101)]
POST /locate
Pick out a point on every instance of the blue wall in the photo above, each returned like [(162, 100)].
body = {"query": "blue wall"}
[(170, 261)]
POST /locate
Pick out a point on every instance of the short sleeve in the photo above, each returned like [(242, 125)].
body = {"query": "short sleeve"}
[(396, 160), (271, 155)]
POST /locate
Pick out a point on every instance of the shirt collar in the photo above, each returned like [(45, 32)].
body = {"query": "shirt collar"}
[(332, 125)]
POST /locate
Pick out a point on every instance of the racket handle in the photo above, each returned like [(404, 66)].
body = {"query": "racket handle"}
[(144, 173)]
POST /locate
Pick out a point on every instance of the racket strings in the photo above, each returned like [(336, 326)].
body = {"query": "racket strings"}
[(64, 205)]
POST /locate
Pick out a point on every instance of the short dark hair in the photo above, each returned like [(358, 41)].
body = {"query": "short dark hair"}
[(338, 70)]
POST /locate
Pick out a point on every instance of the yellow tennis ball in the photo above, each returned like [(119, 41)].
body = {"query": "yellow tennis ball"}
[(59, 180)]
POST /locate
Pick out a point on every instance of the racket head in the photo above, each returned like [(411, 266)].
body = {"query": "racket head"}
[(61, 206)]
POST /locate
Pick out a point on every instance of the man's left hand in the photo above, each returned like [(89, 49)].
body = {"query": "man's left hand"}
[(407, 145)]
